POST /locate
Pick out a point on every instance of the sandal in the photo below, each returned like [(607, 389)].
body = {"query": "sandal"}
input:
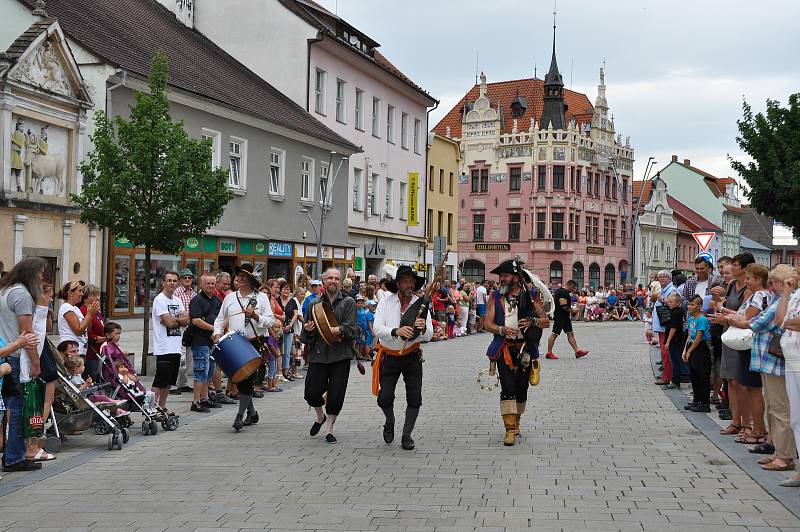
[(762, 448), (731, 430), (772, 466), (765, 460), (751, 439), (41, 456)]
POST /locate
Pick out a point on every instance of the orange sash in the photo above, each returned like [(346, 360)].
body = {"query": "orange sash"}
[(376, 364), (506, 355)]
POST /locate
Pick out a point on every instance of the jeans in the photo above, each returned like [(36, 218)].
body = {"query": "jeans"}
[(273, 367), (201, 363), (288, 344), (15, 443)]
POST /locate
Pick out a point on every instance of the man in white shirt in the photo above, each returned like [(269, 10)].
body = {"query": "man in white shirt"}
[(399, 352), (481, 296), (168, 316)]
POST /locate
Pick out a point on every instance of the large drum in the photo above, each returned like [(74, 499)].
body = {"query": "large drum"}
[(236, 356)]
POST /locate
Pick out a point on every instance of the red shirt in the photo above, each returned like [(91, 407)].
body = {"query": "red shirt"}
[(96, 332)]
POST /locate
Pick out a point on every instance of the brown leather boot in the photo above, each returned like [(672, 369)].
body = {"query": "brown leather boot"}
[(520, 411), (508, 409)]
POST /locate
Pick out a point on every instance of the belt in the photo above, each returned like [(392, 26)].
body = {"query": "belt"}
[(506, 354), (376, 364)]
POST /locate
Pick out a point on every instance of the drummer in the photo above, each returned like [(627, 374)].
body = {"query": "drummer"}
[(246, 310), (329, 364)]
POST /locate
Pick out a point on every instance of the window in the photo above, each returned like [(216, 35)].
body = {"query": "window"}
[(571, 229), (607, 186), (577, 234), (556, 273), (417, 127), (390, 124), (541, 224), (577, 274), (542, 178), (515, 178), (605, 231), (359, 110), (477, 227), (237, 168), (389, 198), (614, 185), (376, 117), (557, 225), (373, 195), (358, 178), (595, 225), (474, 180), (597, 185), (276, 173), (306, 176), (513, 226), (594, 275), (319, 92), (484, 180), (558, 178), (452, 184), (429, 226), (404, 131), (449, 228), (610, 274), (324, 170), (439, 223), (441, 181), (430, 179), (571, 178), (213, 136), (578, 179), (624, 190), (341, 110), (588, 229), (613, 232), (403, 194)]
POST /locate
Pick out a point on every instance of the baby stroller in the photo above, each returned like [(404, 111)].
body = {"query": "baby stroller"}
[(73, 412), (135, 393)]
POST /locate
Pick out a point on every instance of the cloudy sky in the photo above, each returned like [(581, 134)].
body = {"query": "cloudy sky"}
[(676, 70)]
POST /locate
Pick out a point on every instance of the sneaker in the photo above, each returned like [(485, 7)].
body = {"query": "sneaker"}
[(186, 388), (281, 378), (199, 407), (175, 391), (581, 353), (689, 406), (701, 408), (300, 375), (551, 356), (211, 404)]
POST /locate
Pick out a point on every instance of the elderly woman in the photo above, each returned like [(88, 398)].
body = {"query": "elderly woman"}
[(780, 444), (787, 316), (659, 299)]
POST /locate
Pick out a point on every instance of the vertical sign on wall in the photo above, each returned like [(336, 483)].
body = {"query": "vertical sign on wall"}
[(413, 180)]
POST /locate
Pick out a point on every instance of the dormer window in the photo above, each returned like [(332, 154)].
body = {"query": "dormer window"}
[(518, 107)]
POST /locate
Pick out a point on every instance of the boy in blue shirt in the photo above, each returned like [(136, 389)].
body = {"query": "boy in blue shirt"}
[(698, 355)]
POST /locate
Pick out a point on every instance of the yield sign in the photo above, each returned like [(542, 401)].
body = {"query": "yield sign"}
[(703, 239)]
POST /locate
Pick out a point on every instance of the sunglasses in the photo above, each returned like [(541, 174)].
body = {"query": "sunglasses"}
[(188, 277)]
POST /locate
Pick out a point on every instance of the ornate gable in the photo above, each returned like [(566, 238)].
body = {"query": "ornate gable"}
[(41, 59)]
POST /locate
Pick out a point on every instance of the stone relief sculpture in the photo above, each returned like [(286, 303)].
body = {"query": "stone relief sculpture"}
[(35, 167), (42, 69), (46, 167), (18, 143)]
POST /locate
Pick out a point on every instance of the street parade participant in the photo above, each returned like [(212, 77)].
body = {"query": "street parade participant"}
[(516, 318), (331, 349), (399, 351), (246, 310), (563, 322)]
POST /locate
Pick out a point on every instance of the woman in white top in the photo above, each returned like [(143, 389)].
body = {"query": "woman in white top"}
[(72, 324), (787, 316)]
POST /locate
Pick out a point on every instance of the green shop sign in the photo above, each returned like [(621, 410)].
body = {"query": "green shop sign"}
[(192, 244), (358, 265), (122, 242)]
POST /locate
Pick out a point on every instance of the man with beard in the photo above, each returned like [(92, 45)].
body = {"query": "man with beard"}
[(329, 363), (516, 319), (399, 352)]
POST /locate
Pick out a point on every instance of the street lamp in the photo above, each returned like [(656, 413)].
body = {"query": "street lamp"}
[(326, 193), (651, 163)]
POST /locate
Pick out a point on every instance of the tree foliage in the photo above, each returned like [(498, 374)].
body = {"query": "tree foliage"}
[(772, 140), (147, 180)]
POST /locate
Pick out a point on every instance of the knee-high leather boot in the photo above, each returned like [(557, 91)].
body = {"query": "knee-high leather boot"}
[(408, 425), (508, 409), (520, 411), (388, 426)]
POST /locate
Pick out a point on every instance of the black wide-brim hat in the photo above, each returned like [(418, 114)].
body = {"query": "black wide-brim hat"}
[(514, 267), (253, 273), (419, 282)]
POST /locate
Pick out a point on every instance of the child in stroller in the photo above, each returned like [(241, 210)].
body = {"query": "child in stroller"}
[(75, 368), (129, 381)]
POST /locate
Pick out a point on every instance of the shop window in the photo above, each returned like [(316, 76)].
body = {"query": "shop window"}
[(159, 265)]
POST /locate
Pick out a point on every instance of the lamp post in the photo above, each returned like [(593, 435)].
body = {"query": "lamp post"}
[(636, 221), (326, 193)]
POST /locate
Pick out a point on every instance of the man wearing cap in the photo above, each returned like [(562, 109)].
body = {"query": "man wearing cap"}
[(185, 293), (399, 350), (249, 311), (516, 318), (314, 289)]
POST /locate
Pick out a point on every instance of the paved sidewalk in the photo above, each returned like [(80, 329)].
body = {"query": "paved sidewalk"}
[(602, 449)]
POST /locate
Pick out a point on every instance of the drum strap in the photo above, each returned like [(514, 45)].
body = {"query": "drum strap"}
[(376, 364), (258, 342)]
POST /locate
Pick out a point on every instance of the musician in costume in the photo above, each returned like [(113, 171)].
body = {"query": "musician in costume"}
[(330, 351), (249, 311), (400, 331), (516, 317)]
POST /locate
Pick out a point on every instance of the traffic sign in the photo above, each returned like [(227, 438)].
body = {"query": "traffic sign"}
[(703, 239)]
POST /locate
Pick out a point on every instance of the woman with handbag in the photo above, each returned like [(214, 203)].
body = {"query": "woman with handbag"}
[(787, 316), (736, 296), (661, 314)]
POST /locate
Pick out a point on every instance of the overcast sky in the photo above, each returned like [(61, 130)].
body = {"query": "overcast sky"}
[(676, 70)]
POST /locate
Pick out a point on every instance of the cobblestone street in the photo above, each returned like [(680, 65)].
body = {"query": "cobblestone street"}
[(601, 448)]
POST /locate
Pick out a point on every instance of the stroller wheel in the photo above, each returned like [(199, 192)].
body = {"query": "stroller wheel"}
[(172, 423), (118, 441), (111, 442), (52, 444), (153, 428), (100, 429), (145, 428), (126, 435), (164, 425)]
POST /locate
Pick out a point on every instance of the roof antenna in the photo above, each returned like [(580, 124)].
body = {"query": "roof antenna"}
[(535, 75), (477, 52)]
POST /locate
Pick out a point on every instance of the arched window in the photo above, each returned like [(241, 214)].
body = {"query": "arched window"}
[(594, 275), (577, 274), (473, 271), (610, 275), (556, 273), (623, 271)]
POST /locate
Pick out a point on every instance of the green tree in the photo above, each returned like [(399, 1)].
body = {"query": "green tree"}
[(148, 181), (772, 140)]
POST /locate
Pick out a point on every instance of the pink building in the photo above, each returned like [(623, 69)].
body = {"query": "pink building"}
[(544, 177)]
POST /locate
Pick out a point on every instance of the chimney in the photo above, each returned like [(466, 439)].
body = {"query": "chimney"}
[(183, 10), (687, 162), (38, 9), (674, 158)]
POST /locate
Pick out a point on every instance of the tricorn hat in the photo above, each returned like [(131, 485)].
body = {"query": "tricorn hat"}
[(514, 267), (253, 273), (404, 270)]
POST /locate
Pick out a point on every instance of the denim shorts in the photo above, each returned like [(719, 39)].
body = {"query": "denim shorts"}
[(201, 363)]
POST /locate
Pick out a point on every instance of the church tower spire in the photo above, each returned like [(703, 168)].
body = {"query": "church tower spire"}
[(554, 111)]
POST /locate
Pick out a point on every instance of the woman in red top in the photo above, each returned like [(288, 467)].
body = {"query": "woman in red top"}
[(96, 331), (277, 311)]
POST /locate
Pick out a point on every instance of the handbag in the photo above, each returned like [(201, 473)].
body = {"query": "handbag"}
[(33, 409), (738, 339), (774, 348), (663, 313)]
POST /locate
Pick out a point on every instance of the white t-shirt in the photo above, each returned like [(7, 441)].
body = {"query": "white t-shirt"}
[(64, 331), (480, 295), (166, 341), (701, 287), (790, 340)]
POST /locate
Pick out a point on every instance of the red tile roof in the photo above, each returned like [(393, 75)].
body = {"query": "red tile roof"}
[(503, 93), (693, 220)]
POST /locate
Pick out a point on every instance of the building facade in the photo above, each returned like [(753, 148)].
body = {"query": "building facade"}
[(762, 254), (545, 177), (690, 222), (441, 218), (655, 230), (337, 74)]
